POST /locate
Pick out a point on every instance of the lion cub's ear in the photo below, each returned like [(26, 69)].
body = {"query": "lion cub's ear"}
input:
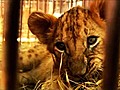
[(41, 25), (97, 9)]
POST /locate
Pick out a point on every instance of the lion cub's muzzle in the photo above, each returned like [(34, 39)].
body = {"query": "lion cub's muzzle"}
[(77, 66)]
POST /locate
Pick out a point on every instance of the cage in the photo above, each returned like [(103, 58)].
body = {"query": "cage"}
[(25, 38)]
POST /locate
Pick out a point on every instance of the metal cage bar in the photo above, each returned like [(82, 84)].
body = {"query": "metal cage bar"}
[(11, 24), (20, 21), (110, 77)]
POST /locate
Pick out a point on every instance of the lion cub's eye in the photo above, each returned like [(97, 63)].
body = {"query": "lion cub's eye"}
[(60, 45), (91, 40)]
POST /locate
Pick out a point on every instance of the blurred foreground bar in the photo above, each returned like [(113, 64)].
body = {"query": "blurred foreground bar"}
[(112, 45), (11, 25)]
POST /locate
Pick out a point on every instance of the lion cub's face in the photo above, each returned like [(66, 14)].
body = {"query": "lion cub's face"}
[(76, 39), (79, 42)]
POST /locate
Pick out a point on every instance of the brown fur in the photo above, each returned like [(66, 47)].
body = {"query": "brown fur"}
[(77, 59)]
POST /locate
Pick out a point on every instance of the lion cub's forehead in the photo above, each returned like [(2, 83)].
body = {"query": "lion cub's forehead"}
[(70, 23), (75, 23)]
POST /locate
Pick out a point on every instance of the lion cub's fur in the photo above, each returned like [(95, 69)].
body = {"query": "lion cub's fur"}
[(75, 48)]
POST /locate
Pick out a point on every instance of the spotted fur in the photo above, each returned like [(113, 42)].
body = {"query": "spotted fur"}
[(34, 64)]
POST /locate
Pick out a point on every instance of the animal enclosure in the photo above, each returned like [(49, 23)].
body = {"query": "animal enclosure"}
[(56, 8)]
